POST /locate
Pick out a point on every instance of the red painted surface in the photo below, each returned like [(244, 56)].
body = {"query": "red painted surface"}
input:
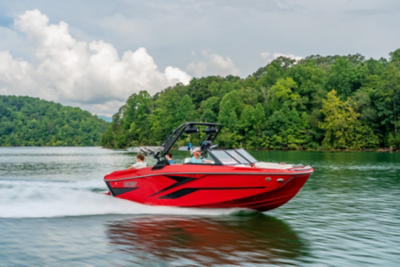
[(209, 186)]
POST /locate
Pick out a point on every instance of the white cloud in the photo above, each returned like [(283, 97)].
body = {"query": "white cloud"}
[(223, 66), (265, 55), (268, 58), (213, 64), (198, 68), (171, 30), (90, 75)]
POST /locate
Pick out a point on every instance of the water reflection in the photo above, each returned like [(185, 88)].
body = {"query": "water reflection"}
[(231, 240)]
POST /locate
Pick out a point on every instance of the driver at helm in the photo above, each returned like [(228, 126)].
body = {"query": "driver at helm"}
[(197, 158)]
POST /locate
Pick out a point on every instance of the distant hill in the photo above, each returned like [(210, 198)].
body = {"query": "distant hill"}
[(107, 119), (319, 102), (28, 121)]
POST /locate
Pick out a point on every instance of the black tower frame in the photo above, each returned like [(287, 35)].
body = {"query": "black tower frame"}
[(167, 144)]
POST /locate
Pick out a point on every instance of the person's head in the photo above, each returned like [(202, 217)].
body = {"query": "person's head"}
[(168, 155), (140, 157), (196, 151)]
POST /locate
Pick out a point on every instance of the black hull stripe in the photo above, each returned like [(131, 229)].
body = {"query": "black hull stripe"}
[(109, 188), (179, 181), (209, 173), (186, 191), (119, 191)]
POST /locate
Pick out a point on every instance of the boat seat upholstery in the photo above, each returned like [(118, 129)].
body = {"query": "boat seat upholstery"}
[(271, 165), (242, 165)]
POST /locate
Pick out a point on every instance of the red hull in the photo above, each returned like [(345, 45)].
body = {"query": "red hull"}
[(209, 186)]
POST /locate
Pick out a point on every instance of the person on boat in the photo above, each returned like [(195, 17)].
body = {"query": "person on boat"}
[(168, 156), (140, 162), (197, 158)]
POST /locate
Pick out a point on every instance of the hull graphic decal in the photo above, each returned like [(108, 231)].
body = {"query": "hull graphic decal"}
[(119, 191), (186, 191), (179, 181)]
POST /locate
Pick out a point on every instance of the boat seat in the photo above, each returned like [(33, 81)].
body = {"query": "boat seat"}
[(270, 165), (242, 165)]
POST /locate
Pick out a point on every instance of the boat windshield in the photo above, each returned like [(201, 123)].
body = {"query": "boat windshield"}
[(224, 157), (246, 155), (233, 156), (237, 156)]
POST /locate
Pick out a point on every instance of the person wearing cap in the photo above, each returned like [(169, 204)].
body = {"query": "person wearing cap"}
[(196, 151)]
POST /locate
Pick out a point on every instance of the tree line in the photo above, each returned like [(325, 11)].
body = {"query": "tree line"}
[(331, 102), (28, 121)]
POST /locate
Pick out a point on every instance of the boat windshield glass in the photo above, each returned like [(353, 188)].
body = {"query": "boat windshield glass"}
[(224, 157), (246, 155), (237, 157), (233, 156)]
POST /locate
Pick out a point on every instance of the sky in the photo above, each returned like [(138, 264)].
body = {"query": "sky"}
[(95, 54)]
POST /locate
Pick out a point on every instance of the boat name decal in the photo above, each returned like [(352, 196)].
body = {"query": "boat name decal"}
[(130, 184)]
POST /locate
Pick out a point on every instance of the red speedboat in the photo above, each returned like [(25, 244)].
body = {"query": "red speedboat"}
[(231, 179)]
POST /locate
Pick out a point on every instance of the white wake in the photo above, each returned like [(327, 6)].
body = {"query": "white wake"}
[(38, 199)]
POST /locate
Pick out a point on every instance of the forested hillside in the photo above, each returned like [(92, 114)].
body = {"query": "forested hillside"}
[(333, 102), (27, 121)]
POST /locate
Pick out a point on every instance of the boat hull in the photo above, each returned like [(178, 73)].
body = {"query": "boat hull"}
[(208, 186)]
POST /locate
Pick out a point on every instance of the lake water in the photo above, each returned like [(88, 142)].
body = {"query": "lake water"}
[(51, 214)]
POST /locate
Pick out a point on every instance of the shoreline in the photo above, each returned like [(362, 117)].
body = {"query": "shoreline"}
[(382, 150)]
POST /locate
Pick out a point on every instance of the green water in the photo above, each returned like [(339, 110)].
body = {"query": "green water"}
[(51, 214)]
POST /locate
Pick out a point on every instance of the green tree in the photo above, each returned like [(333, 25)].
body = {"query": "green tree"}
[(227, 115), (345, 77), (343, 129), (226, 88), (392, 88), (395, 55), (185, 111), (235, 102), (282, 92)]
